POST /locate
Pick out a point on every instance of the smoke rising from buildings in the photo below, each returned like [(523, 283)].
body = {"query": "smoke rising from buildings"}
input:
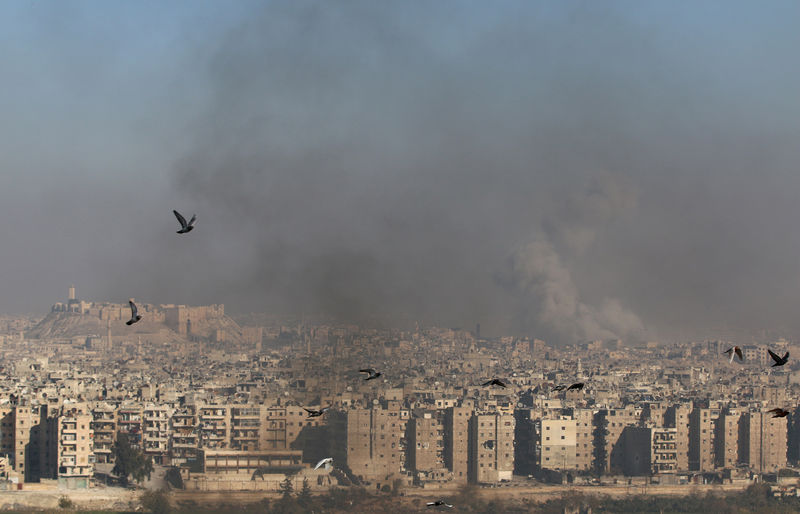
[(386, 178), (574, 170), (547, 294)]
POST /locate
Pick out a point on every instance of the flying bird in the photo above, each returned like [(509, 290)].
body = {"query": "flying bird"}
[(779, 361), (134, 314), (439, 503), (735, 351), (778, 413), (324, 462), (494, 382), (185, 227), (559, 387), (577, 385), (312, 413), (372, 373)]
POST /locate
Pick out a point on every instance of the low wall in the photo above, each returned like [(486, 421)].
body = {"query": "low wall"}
[(318, 480)]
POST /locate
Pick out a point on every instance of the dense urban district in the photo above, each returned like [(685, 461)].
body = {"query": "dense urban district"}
[(258, 402)]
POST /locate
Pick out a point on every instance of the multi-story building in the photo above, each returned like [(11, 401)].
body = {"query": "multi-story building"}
[(75, 447), (762, 442), (184, 443), (359, 439), (42, 459), (491, 449), (649, 450), (104, 425), (726, 439), (425, 449), (281, 425), (702, 426), (584, 438), (755, 355), (129, 421), (214, 426), (664, 450), (156, 432), (617, 420), (557, 445), (677, 417), (16, 421), (376, 441), (456, 441), (246, 426)]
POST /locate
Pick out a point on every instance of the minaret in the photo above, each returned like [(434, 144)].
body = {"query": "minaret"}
[(108, 334)]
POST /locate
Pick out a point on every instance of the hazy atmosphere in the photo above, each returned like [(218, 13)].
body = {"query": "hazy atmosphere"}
[(568, 170)]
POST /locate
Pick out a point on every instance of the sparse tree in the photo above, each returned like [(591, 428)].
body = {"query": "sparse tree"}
[(304, 496), (287, 488), (65, 503), (155, 502), (129, 461)]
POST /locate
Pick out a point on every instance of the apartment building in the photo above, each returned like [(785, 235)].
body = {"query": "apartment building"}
[(75, 447), (246, 426), (702, 427), (425, 435), (617, 420), (129, 421), (726, 439), (584, 438), (185, 442), (376, 441), (104, 426), (156, 432), (281, 426), (677, 417), (214, 426), (762, 441), (756, 355), (557, 443), (456, 441), (649, 450), (16, 421), (491, 448)]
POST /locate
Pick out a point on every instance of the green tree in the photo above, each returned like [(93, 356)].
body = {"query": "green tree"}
[(129, 461)]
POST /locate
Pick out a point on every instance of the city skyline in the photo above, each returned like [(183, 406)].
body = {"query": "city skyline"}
[(440, 255), (246, 408)]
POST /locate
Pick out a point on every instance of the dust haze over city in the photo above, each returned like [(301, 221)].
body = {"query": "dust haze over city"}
[(608, 186)]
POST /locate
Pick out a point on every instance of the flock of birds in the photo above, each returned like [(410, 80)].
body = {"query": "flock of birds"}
[(734, 351)]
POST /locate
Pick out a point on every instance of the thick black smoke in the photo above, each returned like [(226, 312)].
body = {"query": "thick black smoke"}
[(565, 175), (376, 168)]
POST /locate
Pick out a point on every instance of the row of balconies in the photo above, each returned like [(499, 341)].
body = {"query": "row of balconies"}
[(213, 413)]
